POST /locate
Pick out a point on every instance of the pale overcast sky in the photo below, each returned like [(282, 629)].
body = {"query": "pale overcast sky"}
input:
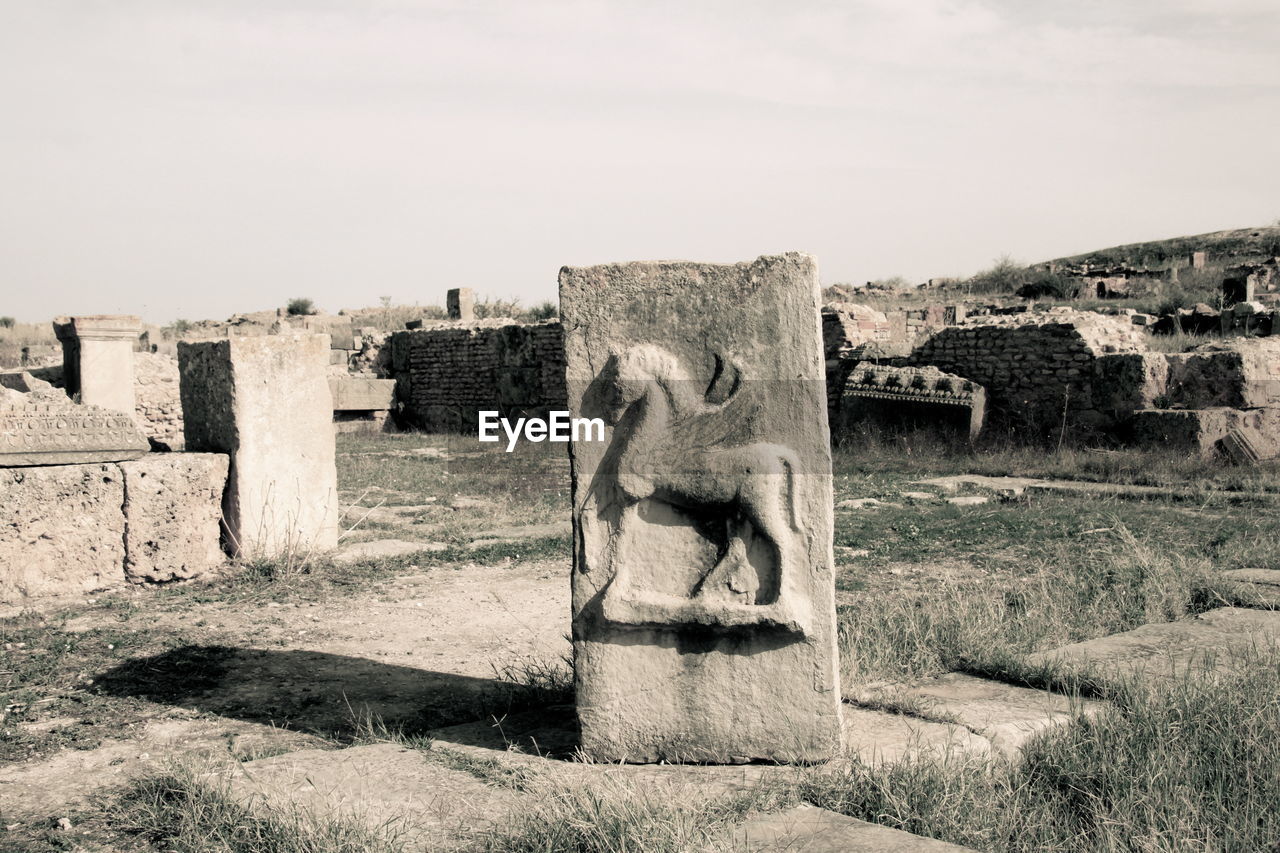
[(194, 159)]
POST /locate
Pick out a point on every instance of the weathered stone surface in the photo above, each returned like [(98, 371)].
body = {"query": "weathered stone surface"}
[(266, 402), (46, 428), (97, 359), (880, 737), (460, 304), (910, 395), (172, 507), (1218, 639), (411, 794), (703, 596), (354, 552), (359, 394), (1255, 587), (1005, 714), (61, 530), (808, 829), (1205, 431)]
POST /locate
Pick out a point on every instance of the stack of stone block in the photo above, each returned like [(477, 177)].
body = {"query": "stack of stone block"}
[(84, 506), (1212, 392), (1083, 370)]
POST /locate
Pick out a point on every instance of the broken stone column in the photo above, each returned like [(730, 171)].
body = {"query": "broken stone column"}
[(703, 594), (460, 302), (97, 359), (1198, 260), (266, 402)]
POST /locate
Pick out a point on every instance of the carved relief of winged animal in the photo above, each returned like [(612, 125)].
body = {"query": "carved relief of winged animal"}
[(676, 444)]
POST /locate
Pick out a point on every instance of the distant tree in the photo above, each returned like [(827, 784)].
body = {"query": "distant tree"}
[(300, 307), (544, 311), (175, 330), (6, 322)]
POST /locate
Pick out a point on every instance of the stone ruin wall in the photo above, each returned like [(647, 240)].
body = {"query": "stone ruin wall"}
[(1085, 370), (159, 408), (446, 375)]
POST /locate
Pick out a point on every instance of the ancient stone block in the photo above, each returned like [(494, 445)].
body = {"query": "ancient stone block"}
[(356, 393), (916, 396), (460, 303), (61, 530), (172, 507), (97, 358), (266, 402), (46, 428), (703, 595)]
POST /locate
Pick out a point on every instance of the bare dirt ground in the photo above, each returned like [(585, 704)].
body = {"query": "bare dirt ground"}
[(417, 651)]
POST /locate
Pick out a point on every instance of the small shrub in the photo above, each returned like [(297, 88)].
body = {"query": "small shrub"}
[(1042, 284), (6, 322), (547, 310), (300, 307), (488, 308), (175, 330)]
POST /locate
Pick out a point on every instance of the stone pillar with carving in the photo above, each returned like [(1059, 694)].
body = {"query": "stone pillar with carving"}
[(97, 359), (703, 588)]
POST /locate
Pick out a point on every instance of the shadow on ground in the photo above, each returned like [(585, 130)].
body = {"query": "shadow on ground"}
[(323, 694)]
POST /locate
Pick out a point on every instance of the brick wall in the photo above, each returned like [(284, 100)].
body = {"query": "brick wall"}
[(446, 374)]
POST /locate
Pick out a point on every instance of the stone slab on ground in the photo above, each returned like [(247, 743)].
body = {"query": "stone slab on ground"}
[(879, 737), (61, 530), (1017, 486), (1004, 714), (523, 533), (809, 829), (1218, 639), (409, 793), (1255, 587), (172, 510), (353, 552)]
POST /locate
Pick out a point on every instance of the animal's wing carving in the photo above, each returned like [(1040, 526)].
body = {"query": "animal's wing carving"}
[(728, 425)]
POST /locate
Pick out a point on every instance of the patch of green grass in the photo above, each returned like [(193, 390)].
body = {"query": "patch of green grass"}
[(1183, 766), (609, 816), (185, 811), (1051, 592), (48, 675)]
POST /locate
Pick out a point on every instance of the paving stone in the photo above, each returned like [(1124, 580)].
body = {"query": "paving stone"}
[(969, 500), (859, 503), (523, 532), (385, 786), (808, 829), (1255, 587), (879, 737), (356, 551), (1218, 639), (1005, 714)]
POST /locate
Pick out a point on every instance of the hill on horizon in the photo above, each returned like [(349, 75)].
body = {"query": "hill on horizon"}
[(1224, 248)]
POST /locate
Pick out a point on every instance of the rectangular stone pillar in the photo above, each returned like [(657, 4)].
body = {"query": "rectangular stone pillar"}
[(266, 402), (97, 359), (460, 303), (703, 591)]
